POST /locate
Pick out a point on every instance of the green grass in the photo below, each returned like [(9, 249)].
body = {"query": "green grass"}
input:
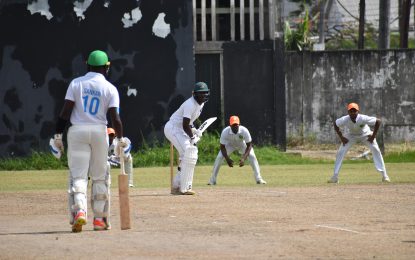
[(275, 175), (158, 155)]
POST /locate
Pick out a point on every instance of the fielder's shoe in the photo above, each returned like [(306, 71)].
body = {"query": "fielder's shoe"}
[(131, 185), (212, 183), (79, 221), (99, 224), (261, 181), (386, 179), (333, 180)]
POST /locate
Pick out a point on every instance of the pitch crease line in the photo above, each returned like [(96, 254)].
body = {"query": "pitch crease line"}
[(337, 228)]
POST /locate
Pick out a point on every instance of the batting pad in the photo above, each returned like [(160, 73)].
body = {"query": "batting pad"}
[(187, 168)]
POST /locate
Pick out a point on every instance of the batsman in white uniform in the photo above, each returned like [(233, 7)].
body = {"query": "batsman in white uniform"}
[(236, 138), (87, 101), (358, 131), (178, 130), (114, 160)]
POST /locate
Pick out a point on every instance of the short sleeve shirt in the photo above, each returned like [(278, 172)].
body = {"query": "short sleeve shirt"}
[(93, 96), (360, 128), (236, 141), (189, 109)]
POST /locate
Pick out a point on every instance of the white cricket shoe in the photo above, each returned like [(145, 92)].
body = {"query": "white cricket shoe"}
[(333, 179), (386, 179), (211, 183), (261, 181), (131, 185)]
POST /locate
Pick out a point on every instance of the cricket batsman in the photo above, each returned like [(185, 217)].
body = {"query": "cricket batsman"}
[(115, 160), (88, 100), (358, 130), (236, 137), (178, 130)]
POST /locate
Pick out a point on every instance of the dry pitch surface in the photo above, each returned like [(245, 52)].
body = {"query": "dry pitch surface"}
[(337, 221)]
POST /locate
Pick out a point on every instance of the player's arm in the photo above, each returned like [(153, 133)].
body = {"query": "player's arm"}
[(116, 122), (229, 161), (375, 131), (339, 133), (186, 127), (246, 153), (63, 119)]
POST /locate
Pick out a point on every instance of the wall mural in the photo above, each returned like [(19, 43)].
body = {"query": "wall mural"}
[(44, 45)]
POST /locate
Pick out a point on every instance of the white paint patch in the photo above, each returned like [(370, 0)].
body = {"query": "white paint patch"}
[(406, 103), (131, 91), (130, 19), (338, 228), (80, 7), (160, 27), (40, 6)]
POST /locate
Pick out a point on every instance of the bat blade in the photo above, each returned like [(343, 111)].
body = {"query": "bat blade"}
[(124, 201), (206, 124)]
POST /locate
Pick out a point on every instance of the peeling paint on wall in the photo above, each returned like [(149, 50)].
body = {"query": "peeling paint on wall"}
[(40, 6), (160, 27), (130, 19)]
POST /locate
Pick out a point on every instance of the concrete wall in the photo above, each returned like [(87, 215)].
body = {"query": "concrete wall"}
[(319, 85)]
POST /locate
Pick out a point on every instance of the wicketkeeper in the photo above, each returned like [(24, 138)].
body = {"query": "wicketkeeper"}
[(358, 130), (178, 131), (114, 160), (87, 101), (236, 137)]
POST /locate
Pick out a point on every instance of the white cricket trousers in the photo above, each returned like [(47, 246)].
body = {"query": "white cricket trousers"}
[(252, 161), (181, 141), (374, 148), (87, 153)]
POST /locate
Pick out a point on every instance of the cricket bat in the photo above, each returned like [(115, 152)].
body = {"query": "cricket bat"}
[(124, 196)]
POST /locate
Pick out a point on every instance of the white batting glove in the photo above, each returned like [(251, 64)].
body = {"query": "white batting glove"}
[(119, 148), (57, 141), (198, 133), (194, 139)]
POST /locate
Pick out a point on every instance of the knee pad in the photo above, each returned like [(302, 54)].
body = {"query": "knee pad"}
[(187, 168), (100, 198)]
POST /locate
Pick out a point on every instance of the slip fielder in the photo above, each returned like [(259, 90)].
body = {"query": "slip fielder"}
[(358, 131), (114, 160), (178, 130), (87, 101), (236, 137)]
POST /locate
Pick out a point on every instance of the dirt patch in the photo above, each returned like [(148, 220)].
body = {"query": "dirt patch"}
[(337, 221)]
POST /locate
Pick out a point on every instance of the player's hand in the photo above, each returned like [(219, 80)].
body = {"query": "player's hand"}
[(370, 138), (344, 140), (194, 139), (119, 148), (57, 141), (230, 162), (241, 162)]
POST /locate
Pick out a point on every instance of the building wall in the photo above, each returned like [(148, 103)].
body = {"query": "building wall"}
[(319, 85), (44, 45)]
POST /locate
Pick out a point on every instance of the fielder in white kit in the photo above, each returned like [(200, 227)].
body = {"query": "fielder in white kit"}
[(358, 131), (114, 160), (236, 137), (87, 101), (179, 130)]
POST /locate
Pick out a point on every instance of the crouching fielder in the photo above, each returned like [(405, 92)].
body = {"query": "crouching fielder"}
[(358, 131), (178, 131), (236, 138)]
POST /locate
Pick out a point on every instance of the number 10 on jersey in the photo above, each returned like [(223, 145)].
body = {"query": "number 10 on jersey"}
[(91, 104)]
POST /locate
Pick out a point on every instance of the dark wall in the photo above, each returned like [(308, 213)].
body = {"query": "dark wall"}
[(40, 55), (249, 87)]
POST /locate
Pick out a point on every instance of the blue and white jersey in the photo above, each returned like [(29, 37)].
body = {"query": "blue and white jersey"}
[(93, 96)]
